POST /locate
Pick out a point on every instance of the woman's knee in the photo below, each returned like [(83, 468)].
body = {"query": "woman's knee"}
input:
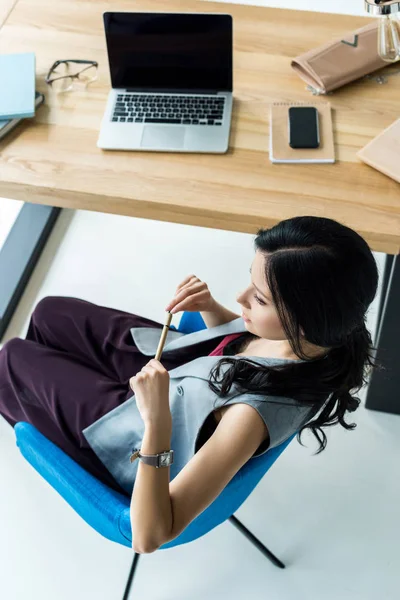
[(16, 357), (45, 308), (12, 347)]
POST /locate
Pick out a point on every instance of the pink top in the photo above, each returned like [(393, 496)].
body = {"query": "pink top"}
[(219, 349)]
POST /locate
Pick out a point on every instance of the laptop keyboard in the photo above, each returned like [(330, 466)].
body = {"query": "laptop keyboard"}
[(177, 109)]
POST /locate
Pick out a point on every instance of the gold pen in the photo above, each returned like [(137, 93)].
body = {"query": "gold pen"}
[(163, 335), (135, 451)]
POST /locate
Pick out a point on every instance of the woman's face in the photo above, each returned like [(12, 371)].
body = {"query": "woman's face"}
[(258, 307), (257, 304)]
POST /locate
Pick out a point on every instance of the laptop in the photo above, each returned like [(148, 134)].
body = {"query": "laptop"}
[(171, 77)]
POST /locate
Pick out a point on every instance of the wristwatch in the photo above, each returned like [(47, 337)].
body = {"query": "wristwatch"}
[(163, 459)]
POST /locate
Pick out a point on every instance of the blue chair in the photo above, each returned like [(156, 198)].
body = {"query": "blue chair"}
[(108, 511)]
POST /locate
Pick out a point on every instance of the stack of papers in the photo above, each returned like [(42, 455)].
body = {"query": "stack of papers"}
[(7, 125)]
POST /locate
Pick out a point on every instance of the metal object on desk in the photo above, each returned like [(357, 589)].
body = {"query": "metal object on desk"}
[(382, 7), (388, 29)]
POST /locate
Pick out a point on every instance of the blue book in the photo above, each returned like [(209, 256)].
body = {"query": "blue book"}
[(17, 85)]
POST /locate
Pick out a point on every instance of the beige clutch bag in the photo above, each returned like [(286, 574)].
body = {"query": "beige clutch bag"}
[(332, 65), (383, 152)]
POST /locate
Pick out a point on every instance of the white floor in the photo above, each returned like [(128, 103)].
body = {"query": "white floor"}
[(333, 518)]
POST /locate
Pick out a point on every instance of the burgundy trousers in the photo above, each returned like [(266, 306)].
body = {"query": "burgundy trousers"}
[(73, 367)]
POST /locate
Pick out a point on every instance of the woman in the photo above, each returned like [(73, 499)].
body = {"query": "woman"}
[(300, 348)]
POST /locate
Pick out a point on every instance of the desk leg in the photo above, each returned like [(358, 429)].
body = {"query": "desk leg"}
[(383, 390), (20, 253)]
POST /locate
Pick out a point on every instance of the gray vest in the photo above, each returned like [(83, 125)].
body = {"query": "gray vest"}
[(113, 436)]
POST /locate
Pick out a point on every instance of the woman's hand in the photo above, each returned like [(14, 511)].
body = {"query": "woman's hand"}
[(151, 389), (191, 295)]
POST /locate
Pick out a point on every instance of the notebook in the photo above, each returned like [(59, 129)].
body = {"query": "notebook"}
[(17, 85), (281, 152), (383, 152), (7, 125)]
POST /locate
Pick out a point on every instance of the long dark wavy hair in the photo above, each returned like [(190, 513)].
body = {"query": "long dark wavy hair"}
[(322, 276)]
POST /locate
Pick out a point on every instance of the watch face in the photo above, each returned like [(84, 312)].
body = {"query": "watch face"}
[(165, 460)]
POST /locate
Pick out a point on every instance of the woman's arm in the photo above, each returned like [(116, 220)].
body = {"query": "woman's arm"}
[(151, 511), (162, 510), (218, 315), (235, 440)]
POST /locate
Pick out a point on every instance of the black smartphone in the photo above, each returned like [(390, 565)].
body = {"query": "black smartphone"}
[(303, 127)]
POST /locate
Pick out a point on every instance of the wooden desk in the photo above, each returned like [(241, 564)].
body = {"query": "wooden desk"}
[(5, 9), (54, 160)]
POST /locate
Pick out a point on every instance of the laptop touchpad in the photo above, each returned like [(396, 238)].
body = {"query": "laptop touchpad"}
[(155, 136)]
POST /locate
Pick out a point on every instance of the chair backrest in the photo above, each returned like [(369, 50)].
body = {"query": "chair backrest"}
[(107, 511), (190, 322)]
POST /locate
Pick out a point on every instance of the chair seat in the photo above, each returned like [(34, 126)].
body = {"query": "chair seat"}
[(107, 511)]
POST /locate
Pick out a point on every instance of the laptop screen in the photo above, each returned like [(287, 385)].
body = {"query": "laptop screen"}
[(167, 52)]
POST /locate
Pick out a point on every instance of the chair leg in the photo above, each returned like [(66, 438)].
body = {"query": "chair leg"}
[(131, 574), (239, 526), (256, 542)]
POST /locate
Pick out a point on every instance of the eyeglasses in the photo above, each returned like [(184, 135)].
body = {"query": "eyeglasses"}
[(64, 78)]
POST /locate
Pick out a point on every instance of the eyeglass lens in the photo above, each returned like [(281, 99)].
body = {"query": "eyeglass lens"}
[(85, 72)]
